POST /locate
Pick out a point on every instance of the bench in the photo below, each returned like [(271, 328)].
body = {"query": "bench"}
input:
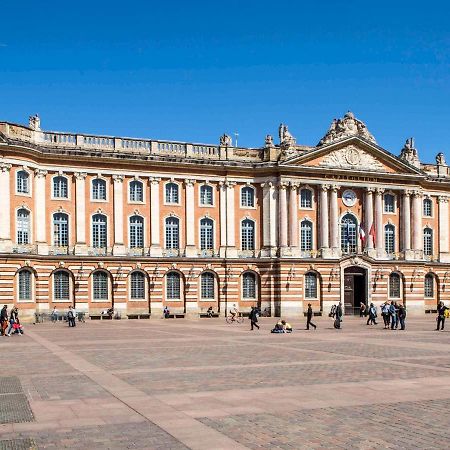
[(431, 311), (176, 316), (315, 313), (100, 317), (138, 316), (205, 314)]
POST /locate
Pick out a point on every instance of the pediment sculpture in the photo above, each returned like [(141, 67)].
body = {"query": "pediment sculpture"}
[(410, 154), (352, 158)]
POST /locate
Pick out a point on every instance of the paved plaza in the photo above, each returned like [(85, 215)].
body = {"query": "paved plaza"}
[(203, 384)]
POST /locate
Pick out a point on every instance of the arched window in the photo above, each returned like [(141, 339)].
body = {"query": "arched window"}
[(248, 234), (428, 241), (348, 234), (137, 286), (206, 234), (172, 233), (60, 187), (172, 193), (100, 286), (394, 285), (249, 285), (206, 195), (389, 238), (305, 198), (60, 230), (23, 226), (306, 242), (310, 285), (429, 285), (427, 207), (136, 232), (136, 191), (173, 291), (25, 287), (98, 189), (99, 231), (61, 285), (23, 182), (247, 197), (389, 203), (207, 286)]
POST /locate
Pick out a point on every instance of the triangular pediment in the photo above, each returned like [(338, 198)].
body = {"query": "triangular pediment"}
[(353, 154)]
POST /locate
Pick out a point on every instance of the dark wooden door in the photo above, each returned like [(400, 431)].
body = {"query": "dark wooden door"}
[(349, 292)]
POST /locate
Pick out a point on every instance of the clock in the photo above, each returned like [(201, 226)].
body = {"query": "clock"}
[(349, 197)]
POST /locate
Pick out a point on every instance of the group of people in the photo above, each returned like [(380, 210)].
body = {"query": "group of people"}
[(9, 322)]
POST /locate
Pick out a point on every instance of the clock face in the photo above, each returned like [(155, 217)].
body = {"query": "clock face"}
[(348, 197)]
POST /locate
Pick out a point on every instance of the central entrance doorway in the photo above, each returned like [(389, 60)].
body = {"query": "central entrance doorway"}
[(355, 289)]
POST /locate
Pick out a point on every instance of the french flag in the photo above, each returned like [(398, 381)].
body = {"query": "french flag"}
[(362, 233)]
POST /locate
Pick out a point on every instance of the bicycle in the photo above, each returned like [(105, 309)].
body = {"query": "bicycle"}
[(237, 319)]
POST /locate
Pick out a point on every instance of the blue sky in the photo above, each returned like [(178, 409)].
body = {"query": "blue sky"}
[(193, 70)]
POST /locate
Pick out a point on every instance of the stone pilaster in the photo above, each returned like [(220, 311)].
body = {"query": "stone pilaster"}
[(405, 220), (368, 216), (379, 229), (230, 222), (417, 240), (293, 219), (283, 218), (80, 208), (223, 218), (324, 218), (334, 221), (119, 247), (155, 219), (190, 218), (444, 255), (40, 211), (269, 219), (5, 207)]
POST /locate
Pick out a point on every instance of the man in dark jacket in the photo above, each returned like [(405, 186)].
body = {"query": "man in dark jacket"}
[(4, 320), (401, 315), (253, 316), (309, 315), (338, 317), (441, 316)]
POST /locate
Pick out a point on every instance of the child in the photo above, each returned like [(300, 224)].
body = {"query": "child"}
[(17, 327)]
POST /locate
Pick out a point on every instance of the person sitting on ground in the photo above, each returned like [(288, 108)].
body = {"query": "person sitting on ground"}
[(210, 311), (234, 312), (166, 312), (278, 328), (287, 328)]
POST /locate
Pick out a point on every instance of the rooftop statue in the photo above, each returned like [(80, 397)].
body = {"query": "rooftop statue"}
[(225, 141), (286, 138), (440, 159), (34, 122), (409, 153), (269, 141), (346, 127)]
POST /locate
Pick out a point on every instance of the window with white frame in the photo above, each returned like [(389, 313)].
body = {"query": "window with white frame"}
[(389, 203), (172, 195), (136, 232), (427, 207), (247, 197), (173, 291), (306, 237), (137, 286), (310, 285), (349, 243), (206, 234), (60, 230), (60, 187), (25, 285), (98, 189), (206, 195), (100, 285), (306, 198), (207, 286), (22, 182), (249, 285), (248, 234), (172, 230), (61, 285), (99, 231), (389, 239), (23, 226), (429, 285), (428, 241), (394, 285), (136, 191)]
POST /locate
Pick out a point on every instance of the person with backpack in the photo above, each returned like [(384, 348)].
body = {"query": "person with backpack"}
[(338, 316), (441, 316), (372, 315), (71, 317)]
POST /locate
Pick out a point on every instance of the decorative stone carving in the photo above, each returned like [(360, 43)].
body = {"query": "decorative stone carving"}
[(34, 122), (440, 159), (4, 167), (346, 127), (118, 178), (409, 153), (286, 138), (39, 173), (269, 141), (225, 140), (352, 158)]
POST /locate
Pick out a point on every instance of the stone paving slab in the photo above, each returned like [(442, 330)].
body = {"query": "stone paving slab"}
[(18, 444)]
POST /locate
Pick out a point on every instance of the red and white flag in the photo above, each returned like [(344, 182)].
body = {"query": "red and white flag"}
[(372, 232), (362, 233)]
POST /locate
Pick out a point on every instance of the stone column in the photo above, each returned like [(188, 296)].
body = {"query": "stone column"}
[(293, 219), (80, 208), (40, 211), (417, 243), (368, 216), (406, 221), (324, 218), (119, 247), (283, 216), (269, 219), (5, 207), (231, 229), (155, 219), (443, 229), (223, 218), (190, 218), (334, 220), (379, 222)]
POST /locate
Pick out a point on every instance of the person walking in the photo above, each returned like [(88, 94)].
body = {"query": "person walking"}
[(362, 309), (338, 315), (372, 315), (253, 316), (71, 317), (393, 315), (3, 320), (441, 316), (401, 315), (309, 315), (385, 314), (14, 315)]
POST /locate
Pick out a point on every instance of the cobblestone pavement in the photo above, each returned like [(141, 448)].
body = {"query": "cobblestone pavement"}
[(203, 384)]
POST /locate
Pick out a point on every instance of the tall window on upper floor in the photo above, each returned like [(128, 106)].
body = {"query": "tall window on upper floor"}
[(99, 231), (248, 234), (311, 285), (136, 232), (349, 234), (60, 230), (61, 284), (136, 191), (427, 207), (98, 189), (305, 198), (173, 290), (207, 286), (172, 231), (23, 226), (389, 203), (428, 241), (429, 285), (206, 234), (389, 239), (25, 286), (60, 187), (306, 237), (247, 197), (249, 285), (137, 286), (172, 195), (23, 182), (206, 195), (394, 285), (100, 285)]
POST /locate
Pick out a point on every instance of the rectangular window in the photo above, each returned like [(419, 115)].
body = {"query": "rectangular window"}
[(24, 285), (100, 288), (389, 203), (137, 286), (173, 287), (207, 286)]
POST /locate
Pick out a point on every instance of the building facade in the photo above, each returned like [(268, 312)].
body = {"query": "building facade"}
[(98, 221)]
